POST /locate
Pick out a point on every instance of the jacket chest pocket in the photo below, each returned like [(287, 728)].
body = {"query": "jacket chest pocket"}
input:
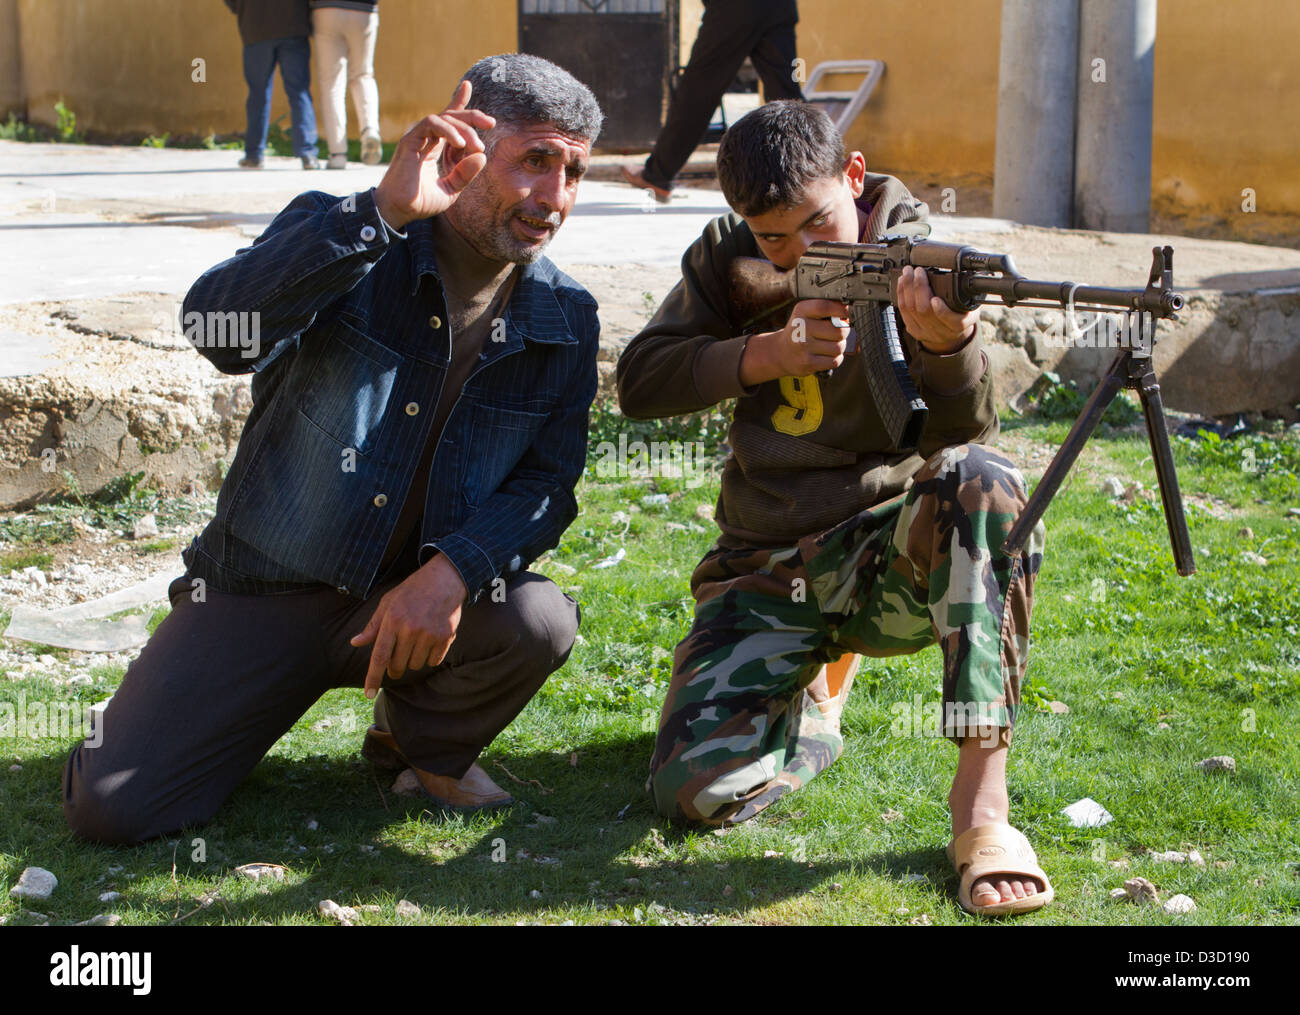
[(498, 439), (348, 386)]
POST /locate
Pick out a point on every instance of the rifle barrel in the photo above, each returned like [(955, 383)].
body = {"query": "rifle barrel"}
[(1013, 290)]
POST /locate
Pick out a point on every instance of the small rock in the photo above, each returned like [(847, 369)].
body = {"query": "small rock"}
[(1245, 532), (35, 883), (1113, 488), (534, 894), (1180, 904), (406, 910), (891, 815), (145, 528), (102, 920), (655, 500), (407, 784), (1220, 762), (312, 825), (331, 910), (920, 921), (728, 891), (368, 908), (1293, 512), (34, 577), (769, 854), (1254, 558), (15, 768), (1087, 813), (1058, 708), (1194, 857), (1120, 864), (1141, 890), (704, 512), (1163, 726), (1118, 895), (260, 871), (837, 887), (110, 896)]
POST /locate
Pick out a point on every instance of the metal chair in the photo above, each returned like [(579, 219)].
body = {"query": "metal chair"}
[(844, 107)]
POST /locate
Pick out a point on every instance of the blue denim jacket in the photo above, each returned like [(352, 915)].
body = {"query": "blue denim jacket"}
[(349, 345)]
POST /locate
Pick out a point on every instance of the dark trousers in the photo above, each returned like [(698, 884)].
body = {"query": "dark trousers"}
[(730, 31), (294, 58), (223, 679)]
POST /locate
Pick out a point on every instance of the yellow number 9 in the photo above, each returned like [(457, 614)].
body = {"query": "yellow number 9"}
[(804, 413)]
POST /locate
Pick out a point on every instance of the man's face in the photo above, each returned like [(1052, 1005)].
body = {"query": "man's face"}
[(513, 207), (827, 212)]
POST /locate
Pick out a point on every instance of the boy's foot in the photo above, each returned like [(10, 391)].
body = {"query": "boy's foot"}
[(995, 854), (372, 150), (247, 163), (338, 161), (634, 177), (979, 797), (310, 162)]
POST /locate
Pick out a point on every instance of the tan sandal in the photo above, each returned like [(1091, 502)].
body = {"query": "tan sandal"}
[(997, 849)]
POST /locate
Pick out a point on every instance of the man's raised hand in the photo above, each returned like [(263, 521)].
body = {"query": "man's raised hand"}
[(414, 187)]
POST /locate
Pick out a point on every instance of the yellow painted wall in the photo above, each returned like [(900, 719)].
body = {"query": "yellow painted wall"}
[(1227, 114), (1227, 97), (941, 62), (11, 69), (133, 73)]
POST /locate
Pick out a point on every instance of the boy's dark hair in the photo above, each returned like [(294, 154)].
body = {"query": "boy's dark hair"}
[(769, 156)]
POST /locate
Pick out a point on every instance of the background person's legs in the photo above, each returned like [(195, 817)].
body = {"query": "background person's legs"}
[(730, 31), (294, 56), (331, 47), (259, 70), (362, 29)]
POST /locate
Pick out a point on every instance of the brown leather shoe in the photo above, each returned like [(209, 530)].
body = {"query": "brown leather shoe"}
[(474, 791), (634, 177)]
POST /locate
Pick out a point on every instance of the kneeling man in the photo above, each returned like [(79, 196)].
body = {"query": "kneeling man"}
[(422, 378)]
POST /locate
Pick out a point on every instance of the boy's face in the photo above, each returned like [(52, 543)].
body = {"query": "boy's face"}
[(827, 212)]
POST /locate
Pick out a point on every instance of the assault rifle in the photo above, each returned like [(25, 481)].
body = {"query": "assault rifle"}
[(865, 277)]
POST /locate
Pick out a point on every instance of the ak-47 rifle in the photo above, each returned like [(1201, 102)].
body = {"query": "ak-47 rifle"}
[(865, 277)]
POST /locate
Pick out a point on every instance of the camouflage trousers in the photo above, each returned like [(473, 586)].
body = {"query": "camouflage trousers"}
[(750, 714)]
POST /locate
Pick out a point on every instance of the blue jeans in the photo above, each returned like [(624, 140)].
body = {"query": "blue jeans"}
[(294, 57)]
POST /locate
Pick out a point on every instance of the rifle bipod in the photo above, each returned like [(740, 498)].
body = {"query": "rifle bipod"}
[(1131, 368)]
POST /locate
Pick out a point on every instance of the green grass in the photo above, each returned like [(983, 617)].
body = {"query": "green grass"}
[(1117, 636)]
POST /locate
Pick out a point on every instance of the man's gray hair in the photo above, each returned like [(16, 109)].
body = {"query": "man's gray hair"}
[(518, 89)]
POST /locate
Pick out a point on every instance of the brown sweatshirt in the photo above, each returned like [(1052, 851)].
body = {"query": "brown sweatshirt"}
[(807, 453)]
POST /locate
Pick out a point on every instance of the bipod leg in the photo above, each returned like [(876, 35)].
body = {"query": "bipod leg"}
[(1116, 378)]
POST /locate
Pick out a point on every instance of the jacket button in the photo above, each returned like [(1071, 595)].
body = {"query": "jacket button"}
[(380, 499), (367, 233), (412, 408), (435, 321)]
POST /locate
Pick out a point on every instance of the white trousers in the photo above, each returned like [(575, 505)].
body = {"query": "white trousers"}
[(344, 42)]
